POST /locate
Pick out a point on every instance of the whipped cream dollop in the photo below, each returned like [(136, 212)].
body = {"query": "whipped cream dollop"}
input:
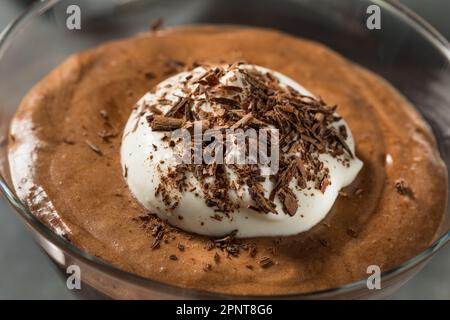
[(149, 156)]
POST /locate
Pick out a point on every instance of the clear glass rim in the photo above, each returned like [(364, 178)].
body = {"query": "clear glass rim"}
[(6, 36)]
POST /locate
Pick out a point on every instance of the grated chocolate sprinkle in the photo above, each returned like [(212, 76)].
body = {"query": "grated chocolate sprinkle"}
[(306, 126)]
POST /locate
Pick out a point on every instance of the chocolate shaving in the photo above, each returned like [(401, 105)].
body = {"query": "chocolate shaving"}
[(403, 189), (352, 233), (324, 243), (104, 114), (226, 102), (252, 251), (307, 128), (229, 244), (264, 204), (290, 204), (232, 88), (154, 109), (68, 141), (157, 232), (173, 65), (149, 75), (343, 194), (324, 184), (106, 135), (243, 121), (207, 267), (177, 107)]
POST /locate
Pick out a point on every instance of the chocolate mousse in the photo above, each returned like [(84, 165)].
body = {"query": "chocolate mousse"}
[(359, 182)]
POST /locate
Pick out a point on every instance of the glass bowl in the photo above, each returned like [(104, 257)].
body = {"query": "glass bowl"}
[(407, 52)]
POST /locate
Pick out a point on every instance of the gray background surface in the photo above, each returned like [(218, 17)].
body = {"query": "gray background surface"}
[(26, 273)]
